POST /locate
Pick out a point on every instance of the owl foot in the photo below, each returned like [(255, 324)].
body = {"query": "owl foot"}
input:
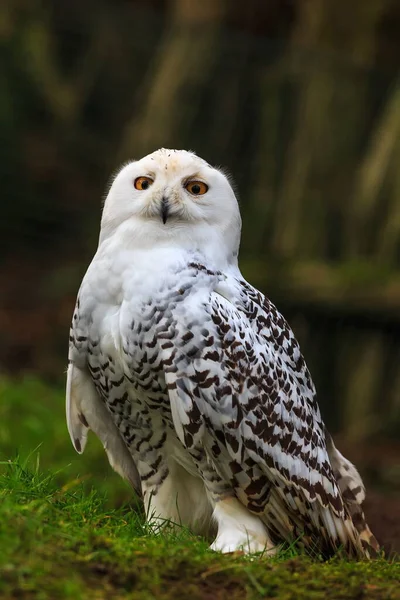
[(239, 530), (239, 542)]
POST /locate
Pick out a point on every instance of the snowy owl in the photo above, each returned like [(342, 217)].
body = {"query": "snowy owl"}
[(192, 379)]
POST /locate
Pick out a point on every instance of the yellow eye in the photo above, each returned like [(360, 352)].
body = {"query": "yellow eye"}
[(142, 183), (197, 188)]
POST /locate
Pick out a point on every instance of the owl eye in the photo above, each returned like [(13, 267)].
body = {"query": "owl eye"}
[(196, 188), (142, 183)]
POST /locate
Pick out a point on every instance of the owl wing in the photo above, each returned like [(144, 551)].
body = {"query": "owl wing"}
[(239, 388), (85, 410)]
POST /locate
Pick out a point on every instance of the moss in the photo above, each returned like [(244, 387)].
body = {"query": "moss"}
[(66, 543)]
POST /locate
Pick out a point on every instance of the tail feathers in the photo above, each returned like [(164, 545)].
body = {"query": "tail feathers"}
[(352, 490), (347, 477), (369, 542), (366, 540), (356, 537), (349, 532), (289, 515)]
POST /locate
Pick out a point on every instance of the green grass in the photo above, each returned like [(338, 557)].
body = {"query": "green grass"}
[(32, 417), (61, 537)]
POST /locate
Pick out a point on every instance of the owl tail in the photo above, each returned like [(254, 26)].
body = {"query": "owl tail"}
[(353, 493)]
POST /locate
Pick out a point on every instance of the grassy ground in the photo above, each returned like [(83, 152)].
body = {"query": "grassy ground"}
[(32, 420), (63, 535)]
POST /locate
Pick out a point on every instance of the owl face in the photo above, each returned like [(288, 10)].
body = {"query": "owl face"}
[(173, 194)]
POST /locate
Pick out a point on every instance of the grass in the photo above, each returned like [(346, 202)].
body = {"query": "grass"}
[(62, 536), (32, 418)]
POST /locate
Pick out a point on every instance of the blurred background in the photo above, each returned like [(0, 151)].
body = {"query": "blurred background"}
[(299, 100)]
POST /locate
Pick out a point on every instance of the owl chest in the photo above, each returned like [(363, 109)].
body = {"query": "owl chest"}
[(135, 326), (127, 360)]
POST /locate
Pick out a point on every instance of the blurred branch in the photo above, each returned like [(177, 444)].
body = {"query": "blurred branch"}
[(371, 177), (288, 215), (349, 288), (389, 239), (322, 138), (64, 97), (180, 69), (393, 403), (362, 361)]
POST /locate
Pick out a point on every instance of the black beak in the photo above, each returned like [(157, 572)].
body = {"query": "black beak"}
[(164, 210)]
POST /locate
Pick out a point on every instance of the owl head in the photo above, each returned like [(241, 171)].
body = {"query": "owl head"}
[(173, 197)]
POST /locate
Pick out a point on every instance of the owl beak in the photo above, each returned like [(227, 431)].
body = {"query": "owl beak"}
[(164, 209)]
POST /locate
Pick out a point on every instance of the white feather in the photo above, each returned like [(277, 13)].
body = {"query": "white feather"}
[(85, 407)]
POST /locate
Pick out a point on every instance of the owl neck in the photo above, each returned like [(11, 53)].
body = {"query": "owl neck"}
[(172, 242)]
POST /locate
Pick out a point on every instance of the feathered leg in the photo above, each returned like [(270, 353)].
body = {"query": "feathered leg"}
[(238, 529), (180, 500)]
